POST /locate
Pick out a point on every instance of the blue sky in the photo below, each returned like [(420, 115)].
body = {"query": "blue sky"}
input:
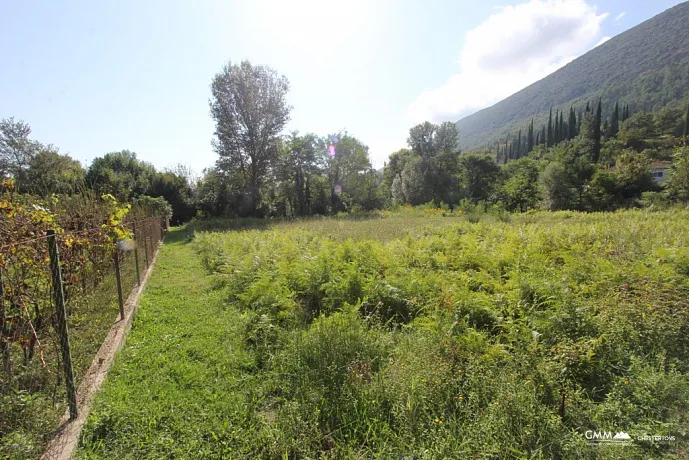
[(95, 77)]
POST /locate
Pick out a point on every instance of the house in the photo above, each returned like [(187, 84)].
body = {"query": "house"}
[(660, 170)]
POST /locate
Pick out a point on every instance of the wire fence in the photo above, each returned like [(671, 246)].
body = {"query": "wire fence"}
[(60, 293)]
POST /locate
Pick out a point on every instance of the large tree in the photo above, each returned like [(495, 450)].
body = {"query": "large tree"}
[(250, 110), (437, 148), (49, 172), (16, 149), (478, 176), (346, 172), (121, 174), (301, 159)]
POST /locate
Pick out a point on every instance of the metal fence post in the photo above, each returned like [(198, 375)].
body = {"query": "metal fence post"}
[(119, 281), (136, 254), (62, 331), (4, 339), (145, 243)]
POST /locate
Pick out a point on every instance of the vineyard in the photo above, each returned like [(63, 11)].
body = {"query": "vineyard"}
[(407, 335), (66, 269)]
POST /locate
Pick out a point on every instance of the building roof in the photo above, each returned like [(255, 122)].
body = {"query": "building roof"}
[(661, 165)]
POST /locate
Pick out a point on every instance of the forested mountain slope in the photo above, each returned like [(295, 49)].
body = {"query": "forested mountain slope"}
[(646, 67)]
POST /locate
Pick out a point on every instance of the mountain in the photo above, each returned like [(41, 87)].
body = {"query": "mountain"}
[(646, 67)]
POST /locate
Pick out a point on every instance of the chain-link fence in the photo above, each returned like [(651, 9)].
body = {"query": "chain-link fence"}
[(60, 293)]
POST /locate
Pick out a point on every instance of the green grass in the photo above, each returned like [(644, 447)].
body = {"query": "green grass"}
[(173, 390), (407, 335)]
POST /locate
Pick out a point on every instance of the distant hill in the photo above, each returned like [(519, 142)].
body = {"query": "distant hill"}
[(646, 67)]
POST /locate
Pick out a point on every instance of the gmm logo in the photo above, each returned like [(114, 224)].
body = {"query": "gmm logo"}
[(598, 434)]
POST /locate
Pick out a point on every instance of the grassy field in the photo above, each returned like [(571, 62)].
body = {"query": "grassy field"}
[(407, 336)]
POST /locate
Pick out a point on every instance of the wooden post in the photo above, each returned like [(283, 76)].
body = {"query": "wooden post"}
[(136, 255), (119, 281), (62, 331)]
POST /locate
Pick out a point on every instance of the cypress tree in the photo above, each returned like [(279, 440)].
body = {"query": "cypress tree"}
[(519, 144), (579, 117), (497, 155), (543, 138), (686, 126), (596, 133), (572, 124), (615, 122), (506, 153), (556, 128), (530, 144), (588, 109), (538, 139), (563, 132), (549, 138)]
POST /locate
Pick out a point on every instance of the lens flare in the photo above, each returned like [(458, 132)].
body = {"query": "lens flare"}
[(126, 245)]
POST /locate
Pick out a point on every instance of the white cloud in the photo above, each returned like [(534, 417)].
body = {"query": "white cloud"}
[(602, 40), (620, 16), (513, 48)]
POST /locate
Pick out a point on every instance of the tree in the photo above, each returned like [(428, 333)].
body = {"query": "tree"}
[(686, 126), (49, 172), (530, 139), (301, 158), (16, 149), (549, 141), (478, 176), (177, 192), (557, 194), (572, 124), (635, 129), (677, 185), (121, 174), (182, 170), (394, 167), (519, 190), (565, 179), (346, 171), (633, 176), (596, 133), (615, 123), (666, 119), (249, 108), (437, 148)]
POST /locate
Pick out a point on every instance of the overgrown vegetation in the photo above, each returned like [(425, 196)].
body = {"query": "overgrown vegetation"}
[(408, 334)]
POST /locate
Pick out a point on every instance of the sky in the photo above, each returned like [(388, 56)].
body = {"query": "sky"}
[(97, 77)]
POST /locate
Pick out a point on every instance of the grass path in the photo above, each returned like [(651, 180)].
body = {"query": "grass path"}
[(172, 391)]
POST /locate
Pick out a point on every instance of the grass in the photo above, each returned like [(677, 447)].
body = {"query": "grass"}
[(407, 335)]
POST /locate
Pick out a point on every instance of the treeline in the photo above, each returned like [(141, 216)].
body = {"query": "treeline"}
[(578, 160), (41, 170)]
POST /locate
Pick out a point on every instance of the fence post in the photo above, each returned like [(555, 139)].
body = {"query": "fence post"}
[(119, 280), (136, 254), (4, 339), (62, 330), (145, 243)]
